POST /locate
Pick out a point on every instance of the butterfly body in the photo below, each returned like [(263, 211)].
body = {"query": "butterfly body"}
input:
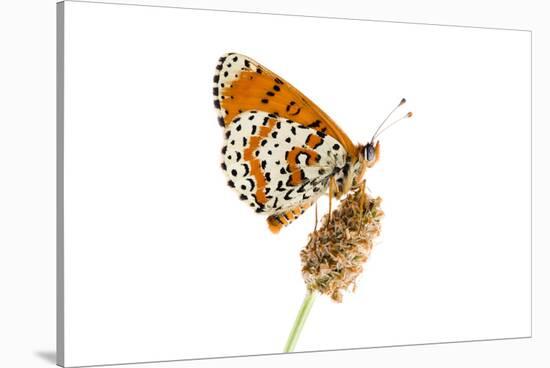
[(280, 152)]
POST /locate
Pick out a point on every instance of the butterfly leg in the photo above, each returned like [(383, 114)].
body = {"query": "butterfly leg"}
[(316, 217), (363, 198), (331, 190), (359, 177)]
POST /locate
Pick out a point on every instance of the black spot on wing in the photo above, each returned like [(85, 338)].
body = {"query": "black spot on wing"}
[(287, 195), (246, 169), (302, 188), (315, 124)]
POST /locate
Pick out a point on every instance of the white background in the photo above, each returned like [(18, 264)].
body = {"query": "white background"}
[(29, 223)]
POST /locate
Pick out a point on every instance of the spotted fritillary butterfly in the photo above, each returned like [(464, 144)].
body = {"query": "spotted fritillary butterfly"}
[(281, 151)]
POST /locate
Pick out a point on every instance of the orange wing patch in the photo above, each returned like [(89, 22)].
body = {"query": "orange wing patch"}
[(242, 84), (255, 168)]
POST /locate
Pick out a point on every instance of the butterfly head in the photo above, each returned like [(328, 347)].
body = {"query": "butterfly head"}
[(371, 153)]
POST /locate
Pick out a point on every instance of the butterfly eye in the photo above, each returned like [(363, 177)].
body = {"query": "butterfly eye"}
[(369, 152)]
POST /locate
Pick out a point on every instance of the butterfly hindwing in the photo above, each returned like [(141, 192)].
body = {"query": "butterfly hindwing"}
[(277, 165), (242, 84)]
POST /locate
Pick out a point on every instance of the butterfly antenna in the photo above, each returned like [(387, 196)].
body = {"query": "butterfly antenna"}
[(401, 103), (406, 116)]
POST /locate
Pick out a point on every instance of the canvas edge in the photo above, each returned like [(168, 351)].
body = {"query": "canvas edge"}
[(60, 110)]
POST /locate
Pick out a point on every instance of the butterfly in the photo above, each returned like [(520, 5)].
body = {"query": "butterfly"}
[(281, 152)]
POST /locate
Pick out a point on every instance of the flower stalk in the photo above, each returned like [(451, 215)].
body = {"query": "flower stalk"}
[(299, 322)]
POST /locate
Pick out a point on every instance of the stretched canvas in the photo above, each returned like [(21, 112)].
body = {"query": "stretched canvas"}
[(164, 251)]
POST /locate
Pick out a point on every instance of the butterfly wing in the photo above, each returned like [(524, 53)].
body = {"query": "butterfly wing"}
[(279, 167), (242, 84)]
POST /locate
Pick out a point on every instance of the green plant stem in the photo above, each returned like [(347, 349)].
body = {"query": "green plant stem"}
[(299, 322)]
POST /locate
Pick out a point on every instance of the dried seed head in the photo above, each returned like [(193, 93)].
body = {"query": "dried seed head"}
[(335, 253)]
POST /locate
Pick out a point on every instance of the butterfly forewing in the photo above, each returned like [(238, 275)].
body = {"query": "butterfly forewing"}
[(242, 84)]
